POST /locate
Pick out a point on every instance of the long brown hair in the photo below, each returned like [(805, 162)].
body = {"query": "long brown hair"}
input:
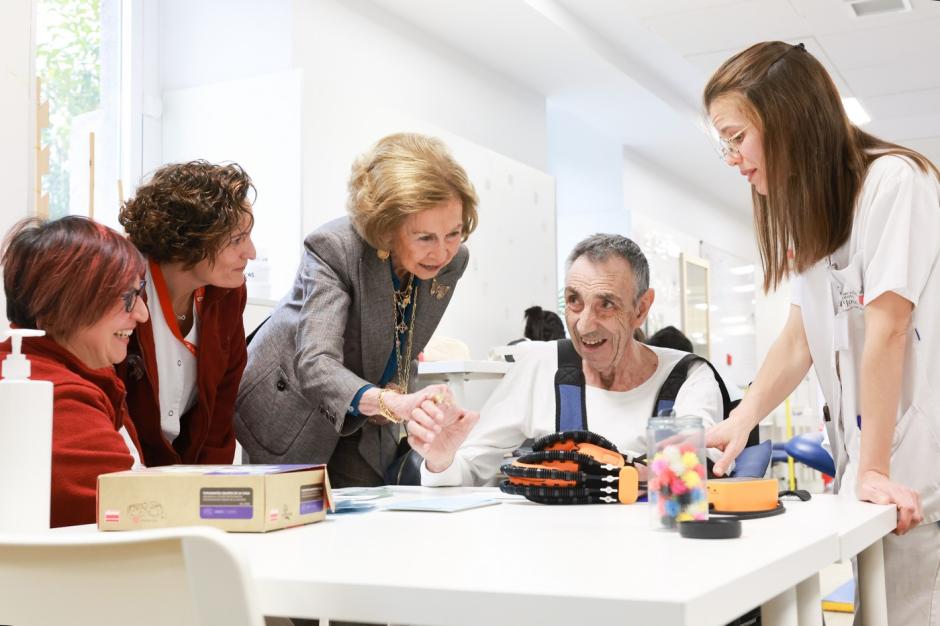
[(815, 159)]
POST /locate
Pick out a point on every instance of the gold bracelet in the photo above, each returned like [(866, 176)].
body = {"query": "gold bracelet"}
[(386, 412)]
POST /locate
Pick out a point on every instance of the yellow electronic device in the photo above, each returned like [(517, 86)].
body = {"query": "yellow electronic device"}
[(737, 496)]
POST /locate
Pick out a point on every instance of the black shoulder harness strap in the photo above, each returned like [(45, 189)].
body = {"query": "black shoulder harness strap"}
[(570, 400), (570, 407), (680, 371)]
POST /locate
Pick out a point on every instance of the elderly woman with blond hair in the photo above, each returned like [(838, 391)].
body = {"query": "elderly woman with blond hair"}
[(330, 375)]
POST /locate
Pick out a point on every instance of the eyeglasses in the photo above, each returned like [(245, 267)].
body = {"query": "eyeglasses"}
[(130, 296), (731, 147)]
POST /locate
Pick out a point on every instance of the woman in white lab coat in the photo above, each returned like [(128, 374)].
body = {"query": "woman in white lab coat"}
[(856, 221)]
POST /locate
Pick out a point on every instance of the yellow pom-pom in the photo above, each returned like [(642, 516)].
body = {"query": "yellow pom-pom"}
[(690, 459), (684, 517), (691, 479)]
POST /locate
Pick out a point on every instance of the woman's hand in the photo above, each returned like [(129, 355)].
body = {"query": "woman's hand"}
[(876, 487), (730, 436), (432, 406), (438, 447)]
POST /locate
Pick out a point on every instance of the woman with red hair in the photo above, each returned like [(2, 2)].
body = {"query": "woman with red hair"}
[(80, 282)]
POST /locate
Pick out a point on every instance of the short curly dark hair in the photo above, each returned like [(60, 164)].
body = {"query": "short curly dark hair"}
[(188, 212)]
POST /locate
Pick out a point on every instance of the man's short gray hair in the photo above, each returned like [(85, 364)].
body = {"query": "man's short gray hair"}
[(602, 246)]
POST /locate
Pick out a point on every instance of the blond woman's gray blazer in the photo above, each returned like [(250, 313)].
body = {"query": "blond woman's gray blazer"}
[(332, 334)]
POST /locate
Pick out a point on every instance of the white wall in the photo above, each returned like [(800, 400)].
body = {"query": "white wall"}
[(670, 219), (17, 158), (665, 198), (210, 41), (364, 75), (357, 66), (255, 122), (587, 165), (177, 44), (357, 69)]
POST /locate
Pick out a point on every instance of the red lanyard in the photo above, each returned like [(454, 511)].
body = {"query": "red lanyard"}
[(163, 295)]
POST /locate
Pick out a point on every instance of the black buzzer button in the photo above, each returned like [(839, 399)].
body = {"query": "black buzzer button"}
[(712, 528)]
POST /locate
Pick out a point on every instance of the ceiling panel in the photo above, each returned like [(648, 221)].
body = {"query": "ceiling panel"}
[(834, 16), (646, 8), (929, 147), (729, 27), (890, 79), (909, 103), (886, 45), (634, 68), (906, 128), (711, 61)]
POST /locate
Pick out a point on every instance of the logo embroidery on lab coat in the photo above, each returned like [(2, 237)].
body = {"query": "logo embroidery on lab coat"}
[(851, 299)]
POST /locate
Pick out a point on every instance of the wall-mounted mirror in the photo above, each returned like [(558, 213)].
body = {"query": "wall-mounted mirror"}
[(695, 303)]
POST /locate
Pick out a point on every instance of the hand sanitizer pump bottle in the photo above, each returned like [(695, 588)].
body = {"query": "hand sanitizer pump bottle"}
[(25, 442)]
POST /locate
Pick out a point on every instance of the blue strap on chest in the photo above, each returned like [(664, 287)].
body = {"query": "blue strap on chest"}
[(570, 402)]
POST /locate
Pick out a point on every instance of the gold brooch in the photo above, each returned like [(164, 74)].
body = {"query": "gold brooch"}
[(439, 291)]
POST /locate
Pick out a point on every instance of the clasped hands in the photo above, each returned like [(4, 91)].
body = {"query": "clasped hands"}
[(437, 425)]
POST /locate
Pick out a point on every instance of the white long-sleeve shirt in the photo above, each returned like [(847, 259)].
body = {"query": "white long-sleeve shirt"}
[(523, 406)]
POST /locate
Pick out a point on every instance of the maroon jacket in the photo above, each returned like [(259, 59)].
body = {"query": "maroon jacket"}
[(206, 432), (88, 412)]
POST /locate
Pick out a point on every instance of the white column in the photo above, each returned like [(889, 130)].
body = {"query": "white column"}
[(780, 610), (809, 602), (871, 586), (17, 118)]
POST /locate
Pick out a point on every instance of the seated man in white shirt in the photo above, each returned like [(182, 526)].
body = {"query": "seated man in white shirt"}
[(607, 297)]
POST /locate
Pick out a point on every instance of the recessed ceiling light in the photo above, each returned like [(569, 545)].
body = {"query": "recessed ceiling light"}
[(865, 8), (853, 108)]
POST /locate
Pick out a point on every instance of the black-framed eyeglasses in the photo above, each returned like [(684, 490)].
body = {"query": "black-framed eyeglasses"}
[(130, 296)]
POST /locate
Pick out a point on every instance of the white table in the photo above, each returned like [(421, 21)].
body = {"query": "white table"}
[(520, 562)]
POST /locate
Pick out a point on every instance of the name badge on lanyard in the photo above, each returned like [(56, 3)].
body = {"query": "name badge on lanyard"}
[(163, 295)]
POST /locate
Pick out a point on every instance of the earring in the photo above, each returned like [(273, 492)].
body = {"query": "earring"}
[(382, 254)]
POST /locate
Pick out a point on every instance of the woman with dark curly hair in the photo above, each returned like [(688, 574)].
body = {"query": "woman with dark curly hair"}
[(329, 376), (193, 222)]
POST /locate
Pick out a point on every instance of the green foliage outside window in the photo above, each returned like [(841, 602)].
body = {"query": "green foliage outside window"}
[(68, 64)]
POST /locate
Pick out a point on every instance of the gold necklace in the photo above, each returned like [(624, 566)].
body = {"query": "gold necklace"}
[(400, 301)]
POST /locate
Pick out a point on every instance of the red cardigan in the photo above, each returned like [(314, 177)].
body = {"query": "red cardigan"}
[(88, 410), (206, 434)]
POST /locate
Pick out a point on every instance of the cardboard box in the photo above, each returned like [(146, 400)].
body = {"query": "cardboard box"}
[(237, 498)]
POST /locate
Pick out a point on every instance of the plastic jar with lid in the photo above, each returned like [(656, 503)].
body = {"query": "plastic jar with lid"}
[(677, 470)]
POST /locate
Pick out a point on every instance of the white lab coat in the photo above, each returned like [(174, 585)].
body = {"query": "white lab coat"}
[(894, 246)]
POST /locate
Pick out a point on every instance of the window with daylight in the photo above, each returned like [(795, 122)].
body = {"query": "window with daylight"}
[(78, 66)]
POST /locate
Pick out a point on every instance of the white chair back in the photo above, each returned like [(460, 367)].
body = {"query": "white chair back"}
[(178, 576)]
